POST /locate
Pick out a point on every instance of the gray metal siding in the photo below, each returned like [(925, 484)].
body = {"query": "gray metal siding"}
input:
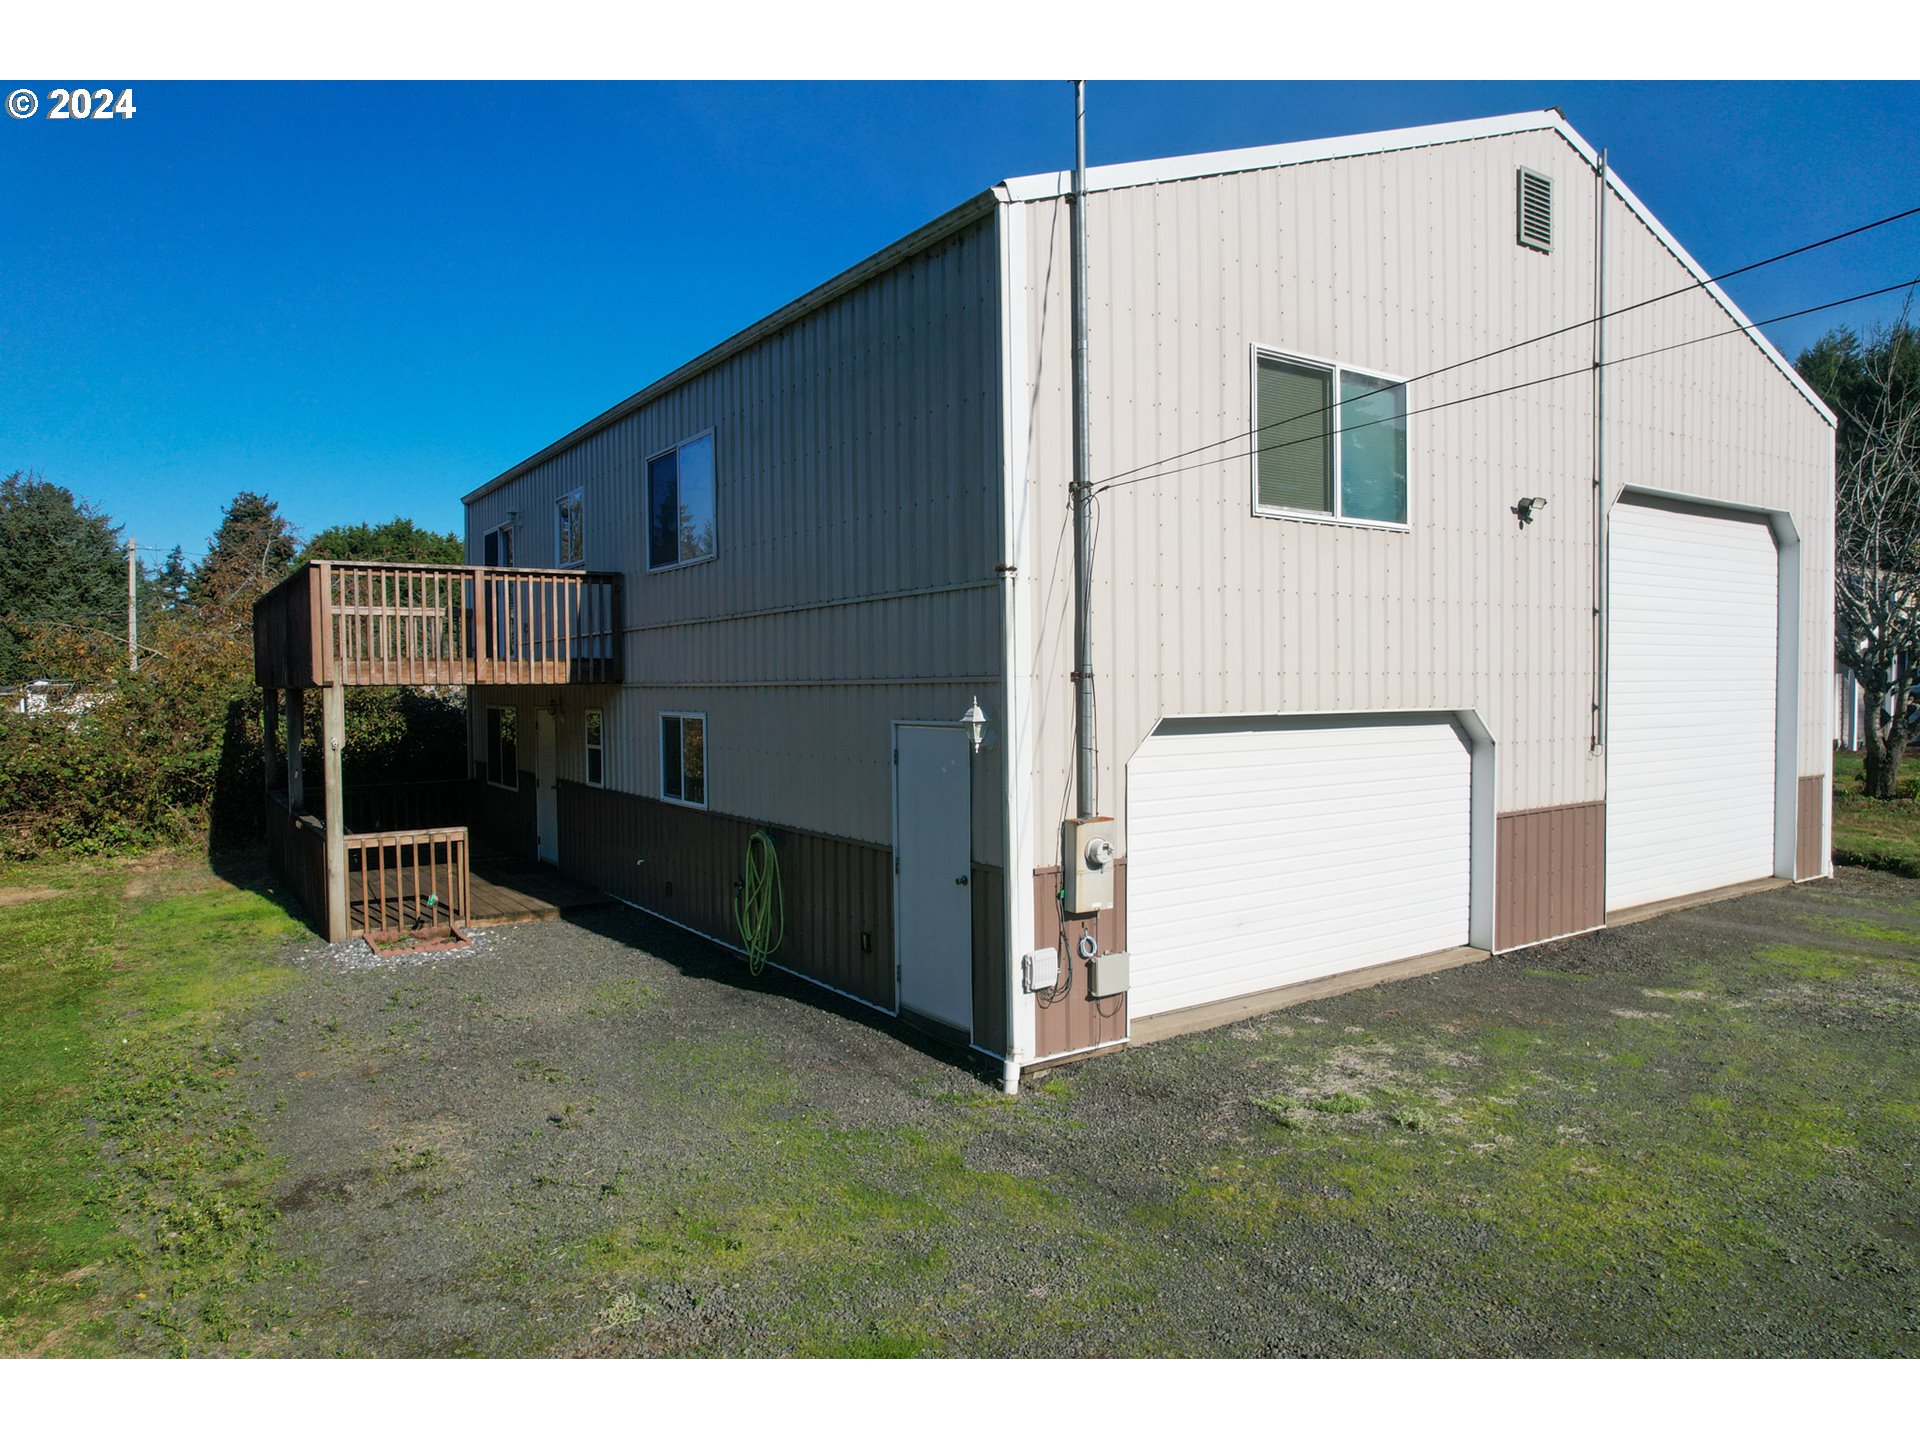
[(1399, 263), (857, 523)]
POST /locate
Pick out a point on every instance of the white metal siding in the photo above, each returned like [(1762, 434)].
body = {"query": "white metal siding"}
[(1261, 855), (1403, 263), (1693, 655)]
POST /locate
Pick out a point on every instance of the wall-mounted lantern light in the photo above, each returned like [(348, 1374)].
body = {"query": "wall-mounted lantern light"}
[(976, 722)]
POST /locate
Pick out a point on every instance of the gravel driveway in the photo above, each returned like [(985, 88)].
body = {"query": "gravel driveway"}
[(600, 1136)]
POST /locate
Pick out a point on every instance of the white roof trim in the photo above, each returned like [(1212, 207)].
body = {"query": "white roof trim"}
[(1342, 147), (1298, 152)]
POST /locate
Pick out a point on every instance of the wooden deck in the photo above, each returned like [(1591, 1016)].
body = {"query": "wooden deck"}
[(500, 891), (506, 892), (339, 622)]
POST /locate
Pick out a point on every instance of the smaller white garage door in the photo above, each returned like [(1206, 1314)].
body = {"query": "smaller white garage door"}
[(1260, 853)]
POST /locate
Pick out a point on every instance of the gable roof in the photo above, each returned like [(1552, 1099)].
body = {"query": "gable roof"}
[(1030, 188), (1345, 147)]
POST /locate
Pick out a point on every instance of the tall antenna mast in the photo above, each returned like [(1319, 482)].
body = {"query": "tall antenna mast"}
[(1085, 793)]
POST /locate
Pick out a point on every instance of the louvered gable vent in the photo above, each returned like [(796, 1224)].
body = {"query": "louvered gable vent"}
[(1535, 210)]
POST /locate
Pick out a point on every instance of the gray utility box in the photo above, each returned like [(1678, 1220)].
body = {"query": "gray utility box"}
[(1086, 868), (1108, 974)]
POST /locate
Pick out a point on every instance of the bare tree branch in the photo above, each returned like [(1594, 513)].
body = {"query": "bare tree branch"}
[(1877, 551)]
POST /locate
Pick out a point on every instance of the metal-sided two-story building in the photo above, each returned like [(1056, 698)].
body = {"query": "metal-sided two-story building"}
[(1431, 618)]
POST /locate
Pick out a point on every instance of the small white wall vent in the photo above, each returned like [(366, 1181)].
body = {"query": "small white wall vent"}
[(1535, 209)]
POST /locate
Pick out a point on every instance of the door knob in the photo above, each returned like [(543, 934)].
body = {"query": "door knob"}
[(961, 881)]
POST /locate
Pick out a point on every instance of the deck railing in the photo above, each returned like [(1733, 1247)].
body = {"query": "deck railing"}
[(358, 623), (407, 883)]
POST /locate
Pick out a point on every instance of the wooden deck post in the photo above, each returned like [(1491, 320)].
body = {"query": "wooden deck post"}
[(270, 736), (333, 739), (320, 602), (296, 739)]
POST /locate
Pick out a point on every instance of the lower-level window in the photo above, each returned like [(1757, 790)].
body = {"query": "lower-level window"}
[(596, 755), (683, 758), (503, 747)]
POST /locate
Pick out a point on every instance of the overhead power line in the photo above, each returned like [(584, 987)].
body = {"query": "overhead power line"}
[(1688, 289), (1133, 479)]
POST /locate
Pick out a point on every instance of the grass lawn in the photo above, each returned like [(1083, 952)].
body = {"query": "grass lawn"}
[(1884, 834), (131, 1193), (1694, 1135)]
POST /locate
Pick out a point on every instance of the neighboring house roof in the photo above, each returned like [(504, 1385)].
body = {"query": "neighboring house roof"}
[(1154, 172)]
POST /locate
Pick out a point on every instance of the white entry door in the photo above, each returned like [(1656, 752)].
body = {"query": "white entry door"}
[(1265, 852), (1693, 657), (546, 792), (932, 887)]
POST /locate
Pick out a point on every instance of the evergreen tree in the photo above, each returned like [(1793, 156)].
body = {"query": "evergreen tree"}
[(62, 568), (250, 552), (399, 542), (170, 585)]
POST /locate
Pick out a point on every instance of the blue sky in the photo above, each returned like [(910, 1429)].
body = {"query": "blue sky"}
[(365, 299)]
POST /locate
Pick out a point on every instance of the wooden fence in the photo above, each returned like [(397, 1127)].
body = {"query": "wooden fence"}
[(358, 623)]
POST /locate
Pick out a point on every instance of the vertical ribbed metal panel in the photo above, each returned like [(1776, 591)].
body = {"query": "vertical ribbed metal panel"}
[(1550, 874), (1716, 420), (838, 893), (1399, 263), (857, 528)]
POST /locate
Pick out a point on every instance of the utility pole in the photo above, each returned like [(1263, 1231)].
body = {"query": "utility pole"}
[(133, 605), (1085, 794)]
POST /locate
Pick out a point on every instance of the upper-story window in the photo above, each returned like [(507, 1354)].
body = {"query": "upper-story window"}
[(680, 504), (1329, 442), (570, 529)]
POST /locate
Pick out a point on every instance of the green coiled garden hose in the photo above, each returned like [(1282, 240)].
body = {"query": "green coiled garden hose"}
[(760, 909)]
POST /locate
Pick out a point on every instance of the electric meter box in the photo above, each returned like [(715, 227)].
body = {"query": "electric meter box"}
[(1087, 867)]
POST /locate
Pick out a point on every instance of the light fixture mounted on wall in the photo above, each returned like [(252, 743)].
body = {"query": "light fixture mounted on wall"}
[(1528, 504), (976, 722)]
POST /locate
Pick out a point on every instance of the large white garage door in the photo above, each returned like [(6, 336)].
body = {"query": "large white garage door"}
[(1262, 853), (1692, 657)]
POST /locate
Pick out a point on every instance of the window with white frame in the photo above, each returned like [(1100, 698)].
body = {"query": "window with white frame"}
[(683, 759), (503, 747), (680, 504), (496, 546), (570, 529), (596, 755), (1329, 442)]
